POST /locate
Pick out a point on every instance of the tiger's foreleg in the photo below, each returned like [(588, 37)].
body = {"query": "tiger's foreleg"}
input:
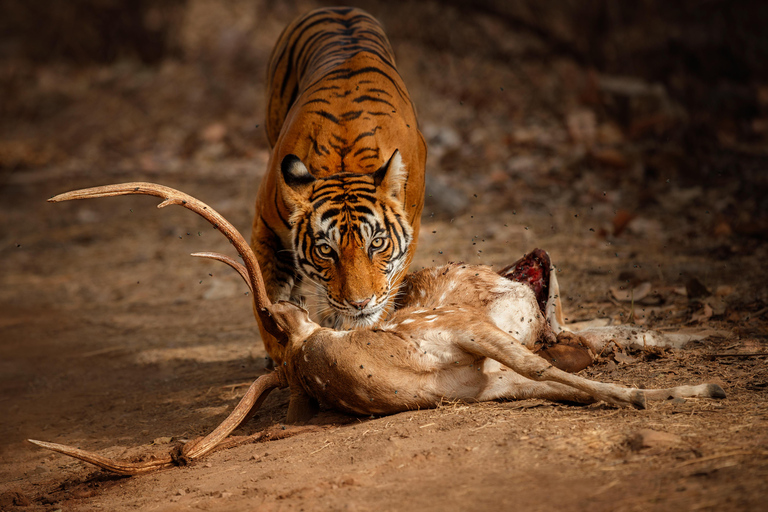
[(278, 274)]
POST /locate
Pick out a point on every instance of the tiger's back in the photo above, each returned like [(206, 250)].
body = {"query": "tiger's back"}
[(340, 120)]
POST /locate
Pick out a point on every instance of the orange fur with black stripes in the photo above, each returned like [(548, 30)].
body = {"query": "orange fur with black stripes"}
[(337, 214)]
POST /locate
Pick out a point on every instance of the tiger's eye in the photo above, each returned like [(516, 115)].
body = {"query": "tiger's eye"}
[(377, 243), (324, 250)]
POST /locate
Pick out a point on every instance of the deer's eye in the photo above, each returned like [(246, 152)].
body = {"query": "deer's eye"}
[(324, 250)]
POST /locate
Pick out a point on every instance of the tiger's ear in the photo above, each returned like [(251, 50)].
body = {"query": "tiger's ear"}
[(297, 178), (392, 175)]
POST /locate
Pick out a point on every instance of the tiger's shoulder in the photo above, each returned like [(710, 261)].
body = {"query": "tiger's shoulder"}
[(337, 101)]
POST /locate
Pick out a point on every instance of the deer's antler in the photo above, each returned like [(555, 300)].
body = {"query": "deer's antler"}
[(172, 196), (251, 274), (239, 267), (251, 401)]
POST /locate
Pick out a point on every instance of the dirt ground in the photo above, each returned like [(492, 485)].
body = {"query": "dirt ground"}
[(113, 339)]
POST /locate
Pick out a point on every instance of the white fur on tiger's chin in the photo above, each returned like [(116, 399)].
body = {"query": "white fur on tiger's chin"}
[(326, 315)]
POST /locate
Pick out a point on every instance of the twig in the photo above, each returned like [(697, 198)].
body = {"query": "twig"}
[(326, 445), (232, 387), (102, 351)]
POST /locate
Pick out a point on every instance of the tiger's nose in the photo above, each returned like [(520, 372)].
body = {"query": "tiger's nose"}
[(359, 304)]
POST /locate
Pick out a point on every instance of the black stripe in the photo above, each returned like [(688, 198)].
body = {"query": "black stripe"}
[(352, 114), (330, 212), (340, 139), (320, 202), (363, 150), (366, 134), (296, 35), (346, 74), (317, 100), (326, 115), (280, 216), (365, 97), (362, 209)]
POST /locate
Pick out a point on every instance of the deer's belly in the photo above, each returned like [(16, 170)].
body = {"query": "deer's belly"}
[(386, 375)]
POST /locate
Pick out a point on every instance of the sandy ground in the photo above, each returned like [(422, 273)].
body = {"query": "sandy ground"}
[(115, 340)]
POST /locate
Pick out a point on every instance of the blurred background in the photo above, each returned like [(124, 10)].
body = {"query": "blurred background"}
[(613, 134), (512, 96), (628, 139)]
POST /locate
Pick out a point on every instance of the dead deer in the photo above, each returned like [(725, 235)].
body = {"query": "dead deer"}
[(463, 333)]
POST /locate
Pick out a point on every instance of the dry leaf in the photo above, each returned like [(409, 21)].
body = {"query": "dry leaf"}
[(621, 220)]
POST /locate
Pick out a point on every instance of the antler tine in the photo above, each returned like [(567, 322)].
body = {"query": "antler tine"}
[(229, 261), (119, 467), (251, 401), (173, 196)]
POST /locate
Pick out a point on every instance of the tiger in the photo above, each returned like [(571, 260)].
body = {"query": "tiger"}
[(338, 210)]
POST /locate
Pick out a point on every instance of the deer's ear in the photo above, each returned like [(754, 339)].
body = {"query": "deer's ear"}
[(297, 179), (392, 175)]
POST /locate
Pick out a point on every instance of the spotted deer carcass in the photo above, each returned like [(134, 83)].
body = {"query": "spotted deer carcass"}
[(463, 332)]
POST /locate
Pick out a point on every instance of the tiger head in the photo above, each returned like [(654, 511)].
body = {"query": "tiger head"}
[(350, 239)]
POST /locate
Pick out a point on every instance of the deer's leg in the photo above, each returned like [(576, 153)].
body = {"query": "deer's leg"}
[(513, 386), (487, 340), (301, 407), (700, 391)]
